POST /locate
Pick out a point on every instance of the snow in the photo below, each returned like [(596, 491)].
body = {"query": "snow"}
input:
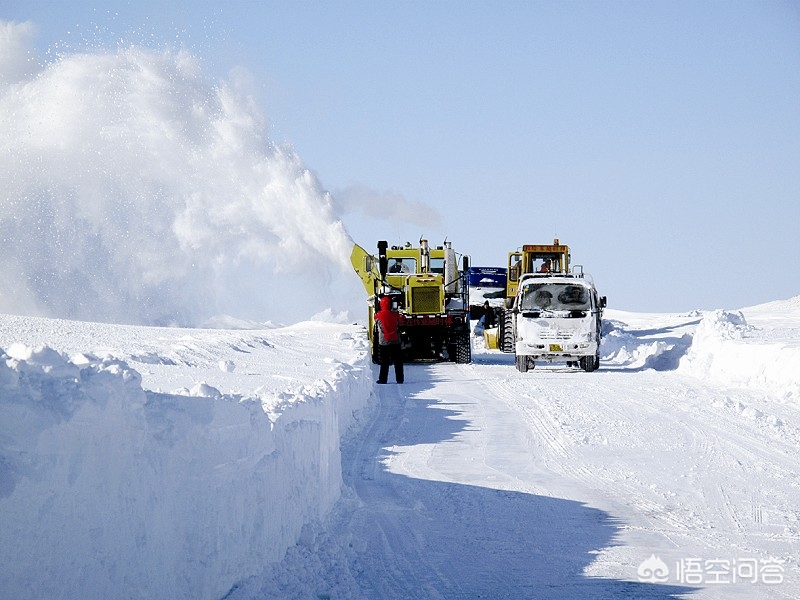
[(756, 347), (199, 463), (137, 191), (166, 462), (251, 456)]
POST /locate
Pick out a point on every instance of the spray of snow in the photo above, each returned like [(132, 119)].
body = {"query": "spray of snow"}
[(134, 191)]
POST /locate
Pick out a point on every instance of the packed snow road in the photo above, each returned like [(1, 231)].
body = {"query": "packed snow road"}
[(476, 481), (560, 484)]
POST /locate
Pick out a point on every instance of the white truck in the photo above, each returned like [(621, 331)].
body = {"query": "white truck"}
[(557, 318)]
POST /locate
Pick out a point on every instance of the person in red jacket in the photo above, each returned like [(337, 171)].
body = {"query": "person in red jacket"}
[(387, 336)]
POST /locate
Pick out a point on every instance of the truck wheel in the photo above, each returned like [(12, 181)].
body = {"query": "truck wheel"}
[(505, 338), (522, 363), (590, 363), (463, 350)]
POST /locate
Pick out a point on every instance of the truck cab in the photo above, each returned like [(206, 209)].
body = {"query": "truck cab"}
[(557, 318)]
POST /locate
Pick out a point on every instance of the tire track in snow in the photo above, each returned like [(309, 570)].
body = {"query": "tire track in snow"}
[(539, 407), (699, 454), (381, 520), (451, 511), (470, 456)]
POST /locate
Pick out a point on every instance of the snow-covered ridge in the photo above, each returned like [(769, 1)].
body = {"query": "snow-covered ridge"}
[(108, 484)]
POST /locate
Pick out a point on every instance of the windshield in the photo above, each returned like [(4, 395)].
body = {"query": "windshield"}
[(402, 265), (437, 265), (554, 296)]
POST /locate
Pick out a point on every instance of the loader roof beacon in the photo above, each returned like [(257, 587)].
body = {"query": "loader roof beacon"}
[(552, 313), (429, 291)]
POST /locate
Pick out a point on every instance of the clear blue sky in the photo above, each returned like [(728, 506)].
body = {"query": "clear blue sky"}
[(660, 140)]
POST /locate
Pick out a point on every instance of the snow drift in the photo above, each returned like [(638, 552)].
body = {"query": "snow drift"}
[(135, 191), (756, 347), (110, 489)]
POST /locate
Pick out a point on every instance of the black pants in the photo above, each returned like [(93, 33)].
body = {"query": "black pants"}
[(391, 354)]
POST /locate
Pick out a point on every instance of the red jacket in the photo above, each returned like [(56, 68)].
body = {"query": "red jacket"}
[(388, 322)]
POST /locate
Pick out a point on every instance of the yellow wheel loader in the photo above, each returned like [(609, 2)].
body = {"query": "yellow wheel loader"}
[(532, 258)]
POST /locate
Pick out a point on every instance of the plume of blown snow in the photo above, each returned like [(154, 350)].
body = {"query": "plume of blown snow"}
[(136, 191)]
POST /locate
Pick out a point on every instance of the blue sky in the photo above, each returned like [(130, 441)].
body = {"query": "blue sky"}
[(660, 140)]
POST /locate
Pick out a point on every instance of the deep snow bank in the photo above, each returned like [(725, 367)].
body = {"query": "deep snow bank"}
[(646, 341), (109, 489), (757, 347)]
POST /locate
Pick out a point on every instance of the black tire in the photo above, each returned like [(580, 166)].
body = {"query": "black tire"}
[(376, 354), (521, 363), (590, 363), (463, 349), (505, 334)]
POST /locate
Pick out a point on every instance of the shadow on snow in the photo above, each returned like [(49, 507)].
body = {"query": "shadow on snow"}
[(436, 539)]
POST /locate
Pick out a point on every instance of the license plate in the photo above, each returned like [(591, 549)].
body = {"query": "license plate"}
[(555, 348)]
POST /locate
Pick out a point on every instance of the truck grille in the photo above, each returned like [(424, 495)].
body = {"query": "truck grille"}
[(425, 300), (556, 334)]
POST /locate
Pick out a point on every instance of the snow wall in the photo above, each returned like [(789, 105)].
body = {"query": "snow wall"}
[(147, 495), (755, 348), (726, 348)]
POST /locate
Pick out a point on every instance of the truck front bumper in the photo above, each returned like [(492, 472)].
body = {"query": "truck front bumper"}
[(561, 350)]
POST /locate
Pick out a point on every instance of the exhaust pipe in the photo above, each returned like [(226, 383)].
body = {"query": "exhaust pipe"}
[(383, 265), (450, 269), (426, 256)]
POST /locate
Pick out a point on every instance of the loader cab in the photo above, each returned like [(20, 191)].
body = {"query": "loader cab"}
[(402, 266), (544, 259)]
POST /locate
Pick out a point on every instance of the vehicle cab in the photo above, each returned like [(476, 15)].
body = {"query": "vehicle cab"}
[(557, 318)]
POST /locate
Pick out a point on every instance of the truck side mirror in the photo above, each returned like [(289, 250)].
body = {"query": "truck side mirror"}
[(602, 301)]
